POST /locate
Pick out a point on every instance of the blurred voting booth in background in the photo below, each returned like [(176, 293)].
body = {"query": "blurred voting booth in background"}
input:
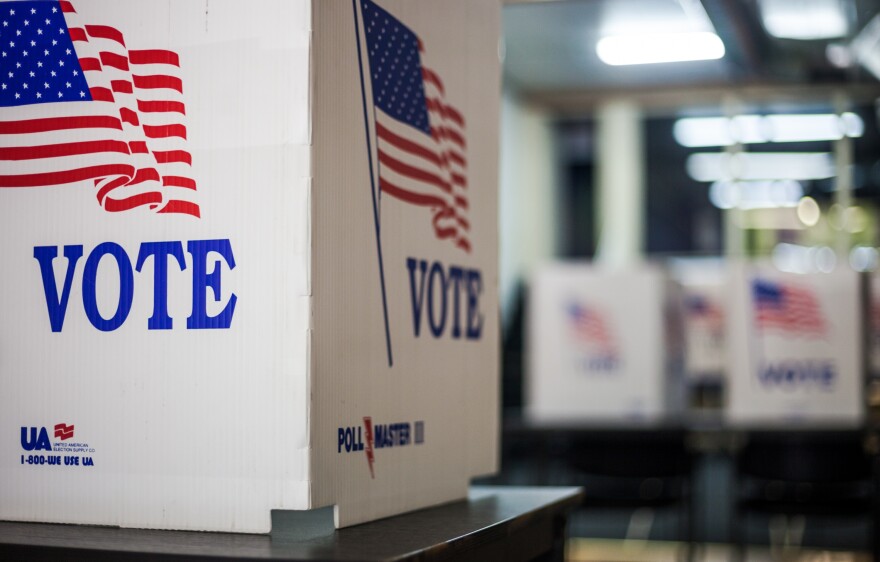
[(603, 344), (629, 343), (703, 301), (872, 324), (795, 347)]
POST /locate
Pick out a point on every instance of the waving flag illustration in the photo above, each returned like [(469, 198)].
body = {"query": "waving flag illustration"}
[(589, 327), (787, 309), (420, 137), (78, 105), (703, 311)]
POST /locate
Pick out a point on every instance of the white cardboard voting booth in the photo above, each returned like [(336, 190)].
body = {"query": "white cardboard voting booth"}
[(795, 347), (601, 344), (248, 259), (872, 323), (703, 302)]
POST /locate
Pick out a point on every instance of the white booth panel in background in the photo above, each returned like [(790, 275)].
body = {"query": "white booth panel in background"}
[(602, 344), (795, 347), (872, 323), (704, 306), (705, 343), (249, 259)]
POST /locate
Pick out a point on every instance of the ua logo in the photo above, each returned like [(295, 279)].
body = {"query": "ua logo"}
[(36, 441)]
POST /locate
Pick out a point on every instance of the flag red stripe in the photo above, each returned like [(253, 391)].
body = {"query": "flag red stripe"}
[(158, 81), (444, 233), (446, 111), (90, 63), (440, 231), (409, 196), (77, 34), (448, 134), (144, 175), (101, 94), (138, 147), (111, 185), (422, 200), (129, 116), (430, 76), (463, 222), (164, 131), (59, 123), (114, 60), (66, 176), (407, 145), (181, 207), (140, 176), (121, 86), (450, 213), (105, 32), (154, 56), (161, 107), (178, 181), (65, 149), (458, 179), (462, 202), (168, 156), (139, 200), (67, 7), (413, 172)]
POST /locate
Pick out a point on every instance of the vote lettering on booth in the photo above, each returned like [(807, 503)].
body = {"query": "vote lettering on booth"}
[(249, 258)]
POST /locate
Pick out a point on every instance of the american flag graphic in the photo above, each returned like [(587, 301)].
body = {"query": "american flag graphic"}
[(420, 136), (700, 309), (787, 308), (78, 105), (589, 327)]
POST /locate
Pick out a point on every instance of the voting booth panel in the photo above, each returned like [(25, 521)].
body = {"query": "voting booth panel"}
[(795, 347), (703, 304), (703, 315), (249, 259), (602, 344), (872, 323)]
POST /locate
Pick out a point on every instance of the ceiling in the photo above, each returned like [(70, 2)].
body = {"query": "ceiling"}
[(550, 50)]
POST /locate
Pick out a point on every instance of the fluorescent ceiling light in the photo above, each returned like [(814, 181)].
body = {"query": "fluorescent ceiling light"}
[(636, 17), (866, 46), (864, 258), (709, 167), (619, 50), (755, 194), (805, 19), (793, 258), (821, 127), (771, 219), (755, 129)]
